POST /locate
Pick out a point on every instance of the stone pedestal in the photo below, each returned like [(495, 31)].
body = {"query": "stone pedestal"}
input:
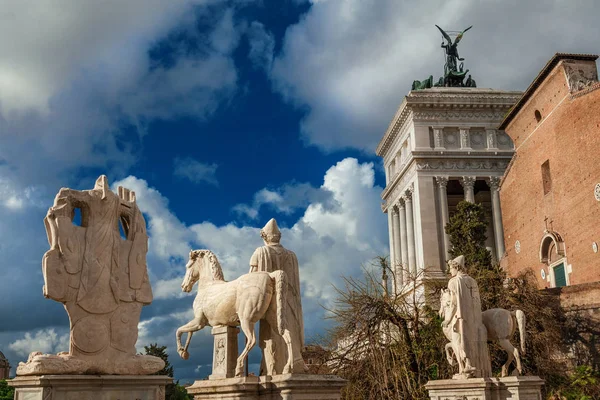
[(90, 387), (284, 387), (508, 388), (225, 351)]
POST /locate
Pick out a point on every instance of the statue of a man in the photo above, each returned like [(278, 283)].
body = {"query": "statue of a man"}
[(466, 320), (272, 257)]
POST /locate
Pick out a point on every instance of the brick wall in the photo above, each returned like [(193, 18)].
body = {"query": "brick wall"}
[(568, 136)]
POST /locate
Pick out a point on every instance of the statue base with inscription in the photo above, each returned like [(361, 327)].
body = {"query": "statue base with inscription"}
[(97, 387), (286, 387), (510, 387)]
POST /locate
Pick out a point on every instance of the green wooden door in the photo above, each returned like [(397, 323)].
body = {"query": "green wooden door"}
[(560, 277)]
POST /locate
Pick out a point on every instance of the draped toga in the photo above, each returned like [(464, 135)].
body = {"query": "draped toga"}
[(271, 258), (468, 323)]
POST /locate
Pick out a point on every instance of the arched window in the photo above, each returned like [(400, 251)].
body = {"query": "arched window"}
[(538, 115), (552, 254)]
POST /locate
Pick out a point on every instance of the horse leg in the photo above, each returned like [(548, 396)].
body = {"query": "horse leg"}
[(192, 326), (509, 348), (519, 370), (289, 366), (248, 329)]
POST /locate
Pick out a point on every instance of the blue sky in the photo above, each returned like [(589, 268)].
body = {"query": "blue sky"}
[(221, 115)]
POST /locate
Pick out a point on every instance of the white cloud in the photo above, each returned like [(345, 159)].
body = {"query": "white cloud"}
[(195, 171), (74, 74), (285, 199), (350, 63), (44, 340)]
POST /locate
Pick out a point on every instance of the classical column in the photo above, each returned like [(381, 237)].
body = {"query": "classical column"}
[(392, 235), (438, 138), (403, 238), (396, 266), (494, 183), (442, 182), (465, 140), (468, 184), (410, 231), (492, 143)]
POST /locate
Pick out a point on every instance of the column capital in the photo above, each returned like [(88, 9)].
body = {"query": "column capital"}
[(407, 195), (468, 182), (494, 182), (442, 181), (400, 204)]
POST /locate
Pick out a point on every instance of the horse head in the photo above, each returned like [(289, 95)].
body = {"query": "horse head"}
[(202, 265)]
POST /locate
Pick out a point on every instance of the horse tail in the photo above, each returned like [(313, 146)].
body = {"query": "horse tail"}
[(281, 294), (520, 316)]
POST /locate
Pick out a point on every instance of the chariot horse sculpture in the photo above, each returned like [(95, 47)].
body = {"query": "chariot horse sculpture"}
[(243, 302), (500, 325)]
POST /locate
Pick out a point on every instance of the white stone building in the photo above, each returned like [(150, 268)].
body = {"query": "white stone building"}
[(442, 146)]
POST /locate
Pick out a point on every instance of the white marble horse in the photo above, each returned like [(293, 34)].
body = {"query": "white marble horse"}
[(500, 325), (244, 301)]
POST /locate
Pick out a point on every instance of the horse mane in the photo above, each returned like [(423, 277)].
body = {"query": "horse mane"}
[(215, 266)]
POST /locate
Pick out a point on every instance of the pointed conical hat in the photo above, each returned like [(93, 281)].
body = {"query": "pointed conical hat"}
[(459, 261), (271, 228)]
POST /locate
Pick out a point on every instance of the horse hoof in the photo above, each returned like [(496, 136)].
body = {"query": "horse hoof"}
[(183, 354)]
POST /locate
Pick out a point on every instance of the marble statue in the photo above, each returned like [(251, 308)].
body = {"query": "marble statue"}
[(102, 280), (463, 323), (243, 302), (500, 324), (269, 258)]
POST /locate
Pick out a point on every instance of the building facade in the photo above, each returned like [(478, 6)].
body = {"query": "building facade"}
[(550, 193), (442, 146), (4, 367)]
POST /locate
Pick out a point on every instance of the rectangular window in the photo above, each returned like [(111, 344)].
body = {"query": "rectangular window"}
[(560, 278), (546, 178)]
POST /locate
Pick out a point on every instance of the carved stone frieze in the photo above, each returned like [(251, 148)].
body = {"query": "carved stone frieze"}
[(450, 115), (486, 165), (580, 75), (491, 139)]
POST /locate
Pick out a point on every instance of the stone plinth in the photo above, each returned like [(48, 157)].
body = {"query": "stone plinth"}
[(90, 387), (225, 351), (286, 387), (508, 388)]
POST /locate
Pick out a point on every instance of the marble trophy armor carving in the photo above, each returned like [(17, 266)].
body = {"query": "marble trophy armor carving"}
[(101, 279), (270, 258)]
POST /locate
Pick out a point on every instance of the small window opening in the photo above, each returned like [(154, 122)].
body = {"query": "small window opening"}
[(77, 216), (546, 177), (538, 115), (124, 227)]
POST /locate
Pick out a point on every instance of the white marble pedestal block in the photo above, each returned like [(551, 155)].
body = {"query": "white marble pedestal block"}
[(283, 387), (508, 388), (90, 387), (225, 351)]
